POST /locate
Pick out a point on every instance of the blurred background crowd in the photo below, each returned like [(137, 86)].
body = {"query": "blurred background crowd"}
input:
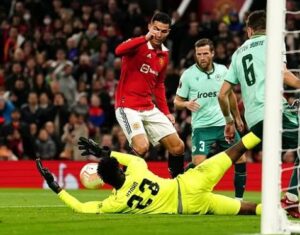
[(58, 70)]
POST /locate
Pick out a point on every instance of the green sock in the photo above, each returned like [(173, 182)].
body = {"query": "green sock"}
[(188, 166), (240, 175), (293, 185)]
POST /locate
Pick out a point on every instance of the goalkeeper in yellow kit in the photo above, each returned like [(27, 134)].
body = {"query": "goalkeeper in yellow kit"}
[(139, 191)]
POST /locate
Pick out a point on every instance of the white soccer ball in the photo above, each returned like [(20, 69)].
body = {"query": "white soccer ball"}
[(89, 177)]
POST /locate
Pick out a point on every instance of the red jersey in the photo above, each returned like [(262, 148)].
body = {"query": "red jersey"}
[(142, 75)]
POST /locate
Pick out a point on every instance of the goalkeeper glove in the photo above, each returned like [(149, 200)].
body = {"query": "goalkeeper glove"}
[(90, 147), (48, 176)]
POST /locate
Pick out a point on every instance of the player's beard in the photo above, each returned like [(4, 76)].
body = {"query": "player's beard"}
[(204, 65)]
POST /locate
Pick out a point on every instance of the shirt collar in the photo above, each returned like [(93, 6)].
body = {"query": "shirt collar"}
[(163, 47), (258, 34), (207, 73)]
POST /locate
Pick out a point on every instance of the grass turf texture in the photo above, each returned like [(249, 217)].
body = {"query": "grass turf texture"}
[(30, 211)]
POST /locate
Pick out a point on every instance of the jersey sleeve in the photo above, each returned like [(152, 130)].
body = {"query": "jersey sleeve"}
[(231, 75), (224, 72), (160, 92), (129, 46), (77, 206), (108, 205), (160, 97), (183, 86), (132, 162)]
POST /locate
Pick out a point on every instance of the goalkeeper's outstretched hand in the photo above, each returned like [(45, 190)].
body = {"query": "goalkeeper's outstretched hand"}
[(47, 176), (90, 147)]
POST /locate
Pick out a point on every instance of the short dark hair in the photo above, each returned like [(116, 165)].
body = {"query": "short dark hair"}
[(204, 42), (108, 169), (161, 17), (257, 20)]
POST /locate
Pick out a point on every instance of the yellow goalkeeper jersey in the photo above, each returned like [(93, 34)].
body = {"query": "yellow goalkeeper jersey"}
[(142, 192)]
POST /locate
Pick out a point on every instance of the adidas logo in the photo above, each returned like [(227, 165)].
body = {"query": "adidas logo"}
[(149, 56)]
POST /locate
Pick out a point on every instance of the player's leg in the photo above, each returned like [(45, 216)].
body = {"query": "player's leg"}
[(160, 130), (202, 141), (290, 141), (203, 145), (140, 144), (209, 173), (222, 205), (131, 123), (212, 170), (240, 177), (240, 173), (196, 160), (250, 208), (175, 147), (249, 141), (199, 150)]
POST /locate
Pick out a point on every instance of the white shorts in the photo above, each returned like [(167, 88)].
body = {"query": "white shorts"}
[(152, 123)]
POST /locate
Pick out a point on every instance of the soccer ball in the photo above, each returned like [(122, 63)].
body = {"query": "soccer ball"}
[(89, 177)]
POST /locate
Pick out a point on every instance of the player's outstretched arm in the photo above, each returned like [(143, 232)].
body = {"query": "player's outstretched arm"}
[(90, 147), (46, 174), (290, 79), (92, 207), (129, 47), (88, 207)]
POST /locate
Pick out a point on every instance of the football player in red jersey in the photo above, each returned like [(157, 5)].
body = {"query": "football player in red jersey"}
[(144, 63)]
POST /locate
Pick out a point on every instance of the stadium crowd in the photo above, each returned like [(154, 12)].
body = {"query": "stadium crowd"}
[(59, 72)]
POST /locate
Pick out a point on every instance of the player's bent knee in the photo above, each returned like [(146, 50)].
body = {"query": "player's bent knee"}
[(178, 149), (242, 159), (140, 148), (198, 159), (140, 144)]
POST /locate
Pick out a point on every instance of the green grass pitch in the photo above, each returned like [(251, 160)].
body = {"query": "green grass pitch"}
[(31, 211)]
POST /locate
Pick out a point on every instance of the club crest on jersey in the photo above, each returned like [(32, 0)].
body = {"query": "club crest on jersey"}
[(161, 61), (136, 126), (218, 77)]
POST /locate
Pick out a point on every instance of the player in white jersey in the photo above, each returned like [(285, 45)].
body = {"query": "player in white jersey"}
[(198, 92)]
